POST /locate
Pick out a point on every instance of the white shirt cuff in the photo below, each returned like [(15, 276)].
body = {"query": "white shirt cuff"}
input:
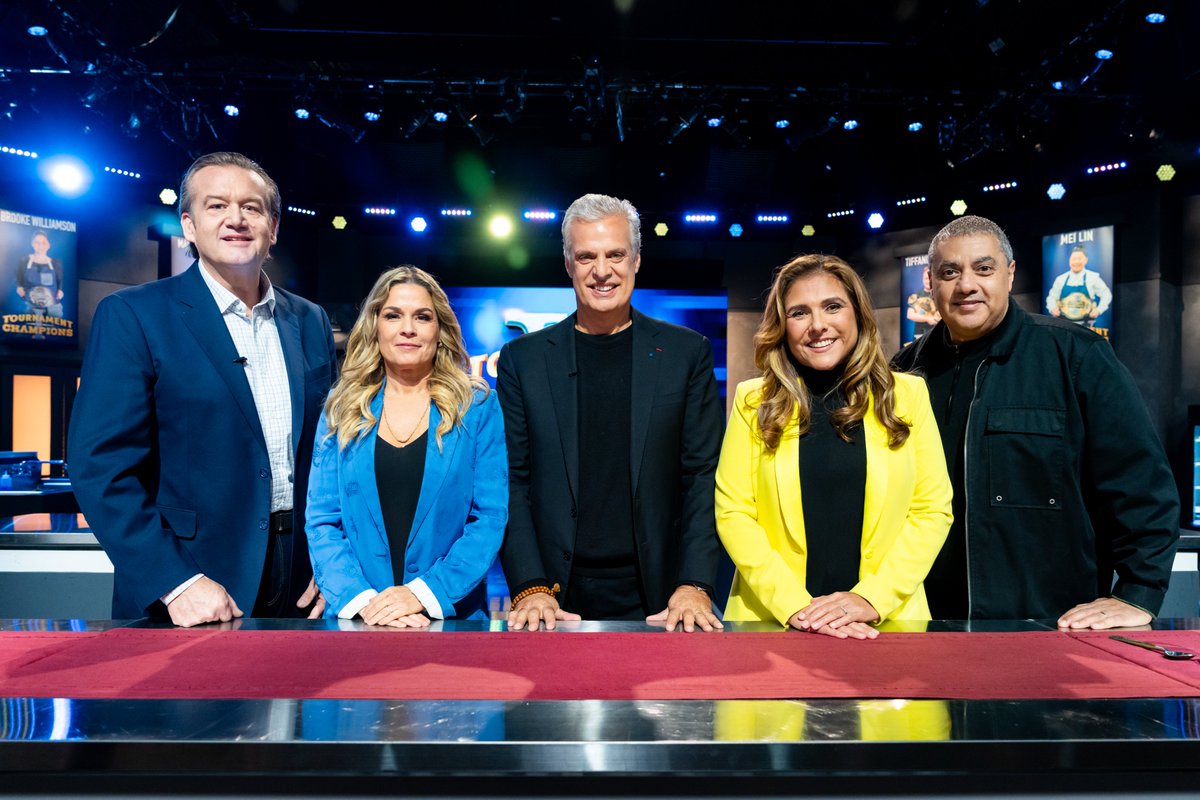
[(432, 607), (180, 589), (357, 604)]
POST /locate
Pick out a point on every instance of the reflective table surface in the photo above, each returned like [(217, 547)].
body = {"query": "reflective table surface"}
[(594, 747)]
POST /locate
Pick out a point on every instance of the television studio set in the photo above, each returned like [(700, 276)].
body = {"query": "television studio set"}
[(613, 398)]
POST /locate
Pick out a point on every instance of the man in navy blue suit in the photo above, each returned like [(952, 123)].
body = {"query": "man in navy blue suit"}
[(192, 432)]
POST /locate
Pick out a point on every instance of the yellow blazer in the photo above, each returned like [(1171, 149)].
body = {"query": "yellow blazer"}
[(760, 517)]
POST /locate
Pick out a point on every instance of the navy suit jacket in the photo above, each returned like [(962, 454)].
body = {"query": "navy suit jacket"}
[(167, 457), (457, 527), (674, 442)]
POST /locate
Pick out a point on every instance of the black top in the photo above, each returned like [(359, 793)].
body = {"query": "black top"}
[(604, 543), (951, 375), (833, 479), (399, 472)]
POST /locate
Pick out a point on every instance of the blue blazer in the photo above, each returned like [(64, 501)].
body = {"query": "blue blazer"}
[(457, 529), (166, 453)]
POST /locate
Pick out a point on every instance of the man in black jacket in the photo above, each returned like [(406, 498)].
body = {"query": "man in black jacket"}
[(614, 427), (1060, 482)]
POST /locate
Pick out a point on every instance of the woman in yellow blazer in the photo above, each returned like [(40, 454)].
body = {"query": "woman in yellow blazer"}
[(832, 493)]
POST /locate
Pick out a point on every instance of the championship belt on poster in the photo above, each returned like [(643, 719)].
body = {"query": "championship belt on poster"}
[(921, 303), (1075, 306), (40, 297)]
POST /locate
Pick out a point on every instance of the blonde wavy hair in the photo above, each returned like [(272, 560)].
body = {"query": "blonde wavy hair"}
[(451, 387), (866, 374)]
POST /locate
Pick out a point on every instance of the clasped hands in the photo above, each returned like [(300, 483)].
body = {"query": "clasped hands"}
[(845, 615), (395, 607)]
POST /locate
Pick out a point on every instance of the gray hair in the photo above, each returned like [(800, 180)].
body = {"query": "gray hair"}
[(227, 159), (971, 226), (595, 207)]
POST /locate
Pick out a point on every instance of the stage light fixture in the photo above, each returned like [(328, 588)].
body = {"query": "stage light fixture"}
[(771, 219), (37, 30), (996, 187), (843, 213), (915, 126), (456, 212), (850, 124), (308, 212), (540, 215), (440, 116), (66, 176), (1156, 18), (714, 121), (1104, 54), (232, 110), (1056, 191), (782, 123), (16, 151), (419, 224), (808, 230), (379, 211), (1107, 167), (339, 222), (958, 208), (1165, 172), (124, 172), (500, 226), (302, 113), (661, 229), (1057, 85), (371, 116), (168, 197), (875, 221), (736, 230), (699, 218), (911, 201)]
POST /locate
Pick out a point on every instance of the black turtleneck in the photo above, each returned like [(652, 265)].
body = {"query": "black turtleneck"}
[(833, 478), (950, 372)]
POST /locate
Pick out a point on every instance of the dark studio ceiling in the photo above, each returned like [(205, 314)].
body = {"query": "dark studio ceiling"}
[(547, 100)]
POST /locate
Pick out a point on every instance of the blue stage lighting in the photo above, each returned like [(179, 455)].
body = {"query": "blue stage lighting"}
[(36, 30), (371, 116), (850, 124), (231, 110), (125, 172), (735, 230), (844, 213), (456, 212), (875, 221), (540, 215), (380, 211), (913, 127), (1056, 191), (13, 151), (308, 212), (1057, 86), (715, 122), (772, 219), (302, 113), (418, 224), (782, 123), (1154, 18), (66, 176), (911, 201), (1104, 54), (699, 218), (440, 116)]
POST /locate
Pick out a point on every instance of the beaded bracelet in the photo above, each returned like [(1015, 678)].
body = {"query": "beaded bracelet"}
[(532, 590)]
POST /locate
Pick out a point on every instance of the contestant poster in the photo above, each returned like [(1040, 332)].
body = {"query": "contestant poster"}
[(920, 315), (1077, 277), (491, 316), (38, 282)]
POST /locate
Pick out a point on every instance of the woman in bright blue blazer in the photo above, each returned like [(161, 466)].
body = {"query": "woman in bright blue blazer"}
[(407, 499)]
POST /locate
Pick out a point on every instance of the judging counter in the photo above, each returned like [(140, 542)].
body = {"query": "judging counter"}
[(313, 708)]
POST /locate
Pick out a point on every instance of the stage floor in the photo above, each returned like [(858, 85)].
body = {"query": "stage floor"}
[(868, 746)]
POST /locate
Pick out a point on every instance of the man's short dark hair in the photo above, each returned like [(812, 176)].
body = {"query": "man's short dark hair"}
[(971, 226)]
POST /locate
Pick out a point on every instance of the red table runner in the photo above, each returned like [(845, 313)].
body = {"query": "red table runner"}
[(414, 665)]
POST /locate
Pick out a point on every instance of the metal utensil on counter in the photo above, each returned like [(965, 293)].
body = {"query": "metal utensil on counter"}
[(1174, 655)]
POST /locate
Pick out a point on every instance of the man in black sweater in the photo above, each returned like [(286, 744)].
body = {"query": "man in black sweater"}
[(614, 427)]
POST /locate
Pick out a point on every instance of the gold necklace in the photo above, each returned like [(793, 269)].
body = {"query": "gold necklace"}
[(407, 439)]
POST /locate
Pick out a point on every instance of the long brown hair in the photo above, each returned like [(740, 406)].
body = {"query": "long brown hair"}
[(348, 408), (866, 372)]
